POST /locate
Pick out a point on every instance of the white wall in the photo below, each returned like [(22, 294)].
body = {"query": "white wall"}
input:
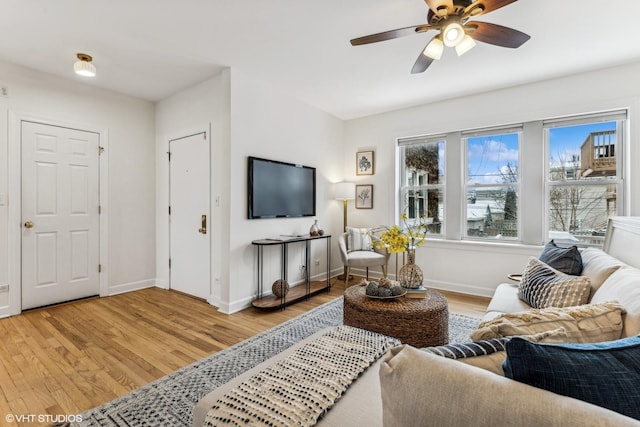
[(203, 107), (129, 124), (475, 267), (248, 118), (266, 124)]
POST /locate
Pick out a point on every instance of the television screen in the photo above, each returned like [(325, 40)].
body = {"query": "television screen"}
[(280, 190)]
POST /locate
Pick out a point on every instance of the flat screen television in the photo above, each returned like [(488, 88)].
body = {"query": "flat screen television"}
[(280, 190)]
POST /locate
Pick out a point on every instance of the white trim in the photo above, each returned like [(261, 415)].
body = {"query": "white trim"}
[(14, 232), (130, 286)]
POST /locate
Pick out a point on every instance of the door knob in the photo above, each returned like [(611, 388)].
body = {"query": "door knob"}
[(28, 224), (203, 228)]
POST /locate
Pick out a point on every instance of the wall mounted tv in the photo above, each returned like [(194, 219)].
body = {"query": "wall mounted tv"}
[(280, 190)]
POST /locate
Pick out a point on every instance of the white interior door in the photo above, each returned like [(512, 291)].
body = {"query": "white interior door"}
[(189, 215), (60, 219)]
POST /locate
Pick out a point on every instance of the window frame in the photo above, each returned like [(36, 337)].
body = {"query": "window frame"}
[(533, 195), (464, 141), (621, 119), (402, 144)]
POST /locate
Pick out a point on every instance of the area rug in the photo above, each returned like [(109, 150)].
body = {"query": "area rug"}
[(170, 400)]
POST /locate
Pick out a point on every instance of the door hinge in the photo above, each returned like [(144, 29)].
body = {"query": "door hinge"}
[(169, 263), (99, 209), (99, 268), (169, 210), (100, 150), (169, 154)]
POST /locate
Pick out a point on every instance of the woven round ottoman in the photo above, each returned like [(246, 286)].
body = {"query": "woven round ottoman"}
[(420, 322)]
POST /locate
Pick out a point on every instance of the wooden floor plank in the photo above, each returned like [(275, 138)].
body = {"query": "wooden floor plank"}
[(71, 357)]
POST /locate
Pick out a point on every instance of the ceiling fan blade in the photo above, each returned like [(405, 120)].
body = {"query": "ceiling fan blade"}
[(422, 63), (480, 7), (436, 5), (388, 35), (496, 34)]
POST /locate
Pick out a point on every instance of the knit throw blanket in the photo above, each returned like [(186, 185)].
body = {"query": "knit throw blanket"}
[(299, 389)]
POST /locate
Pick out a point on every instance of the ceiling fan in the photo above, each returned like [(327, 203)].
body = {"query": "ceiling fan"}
[(451, 19)]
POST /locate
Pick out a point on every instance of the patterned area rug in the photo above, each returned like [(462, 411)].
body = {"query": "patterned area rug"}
[(169, 400)]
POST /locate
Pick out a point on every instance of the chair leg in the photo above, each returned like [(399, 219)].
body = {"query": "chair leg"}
[(346, 275), (367, 273)]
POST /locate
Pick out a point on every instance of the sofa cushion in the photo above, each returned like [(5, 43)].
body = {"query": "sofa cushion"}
[(359, 239), (606, 374), (419, 388), (567, 260), (585, 323), (598, 265), (542, 286), (624, 286), (490, 354)]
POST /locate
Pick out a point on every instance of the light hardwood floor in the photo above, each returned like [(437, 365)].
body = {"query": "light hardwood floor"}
[(68, 358)]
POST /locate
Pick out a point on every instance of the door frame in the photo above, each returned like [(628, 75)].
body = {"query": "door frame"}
[(15, 119)]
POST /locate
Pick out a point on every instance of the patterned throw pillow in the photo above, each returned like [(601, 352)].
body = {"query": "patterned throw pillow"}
[(606, 374), (567, 260), (490, 354), (542, 286), (359, 239), (470, 349)]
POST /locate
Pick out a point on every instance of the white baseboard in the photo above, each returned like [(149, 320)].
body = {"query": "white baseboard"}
[(131, 286), (460, 288)]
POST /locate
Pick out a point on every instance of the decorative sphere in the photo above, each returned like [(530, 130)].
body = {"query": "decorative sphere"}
[(280, 288)]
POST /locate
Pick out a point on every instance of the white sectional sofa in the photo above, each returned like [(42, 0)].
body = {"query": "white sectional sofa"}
[(457, 394), (411, 387)]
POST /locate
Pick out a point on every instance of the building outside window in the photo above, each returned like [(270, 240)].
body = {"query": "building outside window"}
[(422, 180), (492, 183), (583, 176)]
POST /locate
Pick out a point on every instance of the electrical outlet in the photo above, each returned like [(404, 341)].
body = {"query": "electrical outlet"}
[(4, 91), (317, 262), (4, 288)]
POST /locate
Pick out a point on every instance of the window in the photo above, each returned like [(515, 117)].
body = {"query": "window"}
[(584, 179), (422, 181), (492, 183), (526, 183)]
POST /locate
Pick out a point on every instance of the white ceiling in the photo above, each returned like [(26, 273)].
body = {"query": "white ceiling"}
[(154, 48)]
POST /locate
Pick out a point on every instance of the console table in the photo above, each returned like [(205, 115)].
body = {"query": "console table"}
[(296, 293)]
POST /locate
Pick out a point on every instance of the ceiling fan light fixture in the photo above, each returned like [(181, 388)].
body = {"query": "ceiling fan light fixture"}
[(465, 45), (453, 34), (434, 49), (83, 65)]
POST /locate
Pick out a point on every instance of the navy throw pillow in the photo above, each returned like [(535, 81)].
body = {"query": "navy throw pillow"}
[(606, 374), (567, 260)]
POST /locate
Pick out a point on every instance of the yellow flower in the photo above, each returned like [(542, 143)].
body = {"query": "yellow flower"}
[(396, 239)]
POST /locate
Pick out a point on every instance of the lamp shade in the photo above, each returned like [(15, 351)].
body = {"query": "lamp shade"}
[(345, 190), (465, 45), (434, 49)]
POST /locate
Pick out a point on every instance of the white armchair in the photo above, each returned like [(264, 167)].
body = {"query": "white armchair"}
[(362, 258)]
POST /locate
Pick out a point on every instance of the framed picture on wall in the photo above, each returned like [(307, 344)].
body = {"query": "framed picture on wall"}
[(364, 196), (364, 163)]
